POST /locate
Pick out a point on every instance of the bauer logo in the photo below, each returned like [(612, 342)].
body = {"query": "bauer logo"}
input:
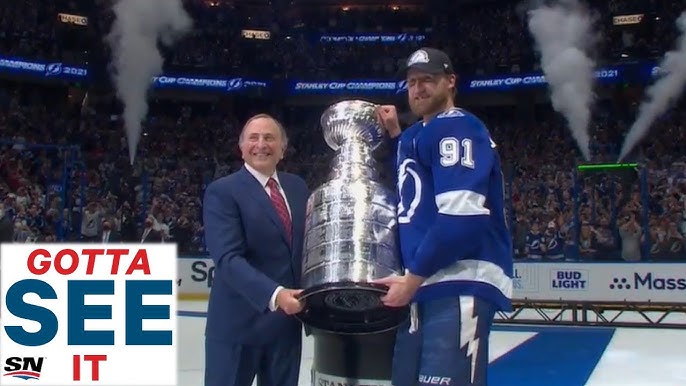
[(569, 280), (85, 314)]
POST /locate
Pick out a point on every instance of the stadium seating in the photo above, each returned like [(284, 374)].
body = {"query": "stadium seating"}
[(64, 167)]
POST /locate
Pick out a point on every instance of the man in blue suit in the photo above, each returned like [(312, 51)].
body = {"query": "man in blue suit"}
[(254, 228)]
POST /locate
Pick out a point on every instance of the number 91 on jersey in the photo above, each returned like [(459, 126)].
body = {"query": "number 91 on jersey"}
[(88, 314)]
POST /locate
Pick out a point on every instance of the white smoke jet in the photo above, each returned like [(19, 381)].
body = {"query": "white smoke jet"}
[(138, 26), (563, 34), (662, 93)]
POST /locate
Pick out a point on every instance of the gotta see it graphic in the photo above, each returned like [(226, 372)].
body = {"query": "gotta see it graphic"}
[(23, 367), (77, 314)]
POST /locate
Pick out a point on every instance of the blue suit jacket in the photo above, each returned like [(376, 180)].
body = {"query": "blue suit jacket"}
[(247, 242)]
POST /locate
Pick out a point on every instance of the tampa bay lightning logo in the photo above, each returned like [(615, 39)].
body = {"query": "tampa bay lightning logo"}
[(401, 87), (410, 189), (657, 72), (234, 84), (53, 69)]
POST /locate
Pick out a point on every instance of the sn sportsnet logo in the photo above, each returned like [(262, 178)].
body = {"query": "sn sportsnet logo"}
[(23, 368), (648, 281), (98, 314)]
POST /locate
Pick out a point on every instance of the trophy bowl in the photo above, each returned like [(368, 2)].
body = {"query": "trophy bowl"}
[(350, 231)]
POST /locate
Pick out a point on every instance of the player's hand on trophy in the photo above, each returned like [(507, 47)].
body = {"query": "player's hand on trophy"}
[(401, 289), (388, 118), (288, 302)]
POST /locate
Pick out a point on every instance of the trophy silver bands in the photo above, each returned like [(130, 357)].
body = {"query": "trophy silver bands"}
[(350, 230)]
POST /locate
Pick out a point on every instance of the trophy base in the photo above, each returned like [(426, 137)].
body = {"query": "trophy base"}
[(349, 308), (341, 359)]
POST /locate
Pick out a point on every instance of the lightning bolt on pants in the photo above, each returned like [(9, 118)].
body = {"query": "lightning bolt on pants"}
[(450, 347)]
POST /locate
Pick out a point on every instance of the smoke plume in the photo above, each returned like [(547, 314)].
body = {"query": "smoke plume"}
[(563, 34), (662, 93), (138, 26)]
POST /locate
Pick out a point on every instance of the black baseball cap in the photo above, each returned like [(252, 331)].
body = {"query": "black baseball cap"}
[(429, 60)]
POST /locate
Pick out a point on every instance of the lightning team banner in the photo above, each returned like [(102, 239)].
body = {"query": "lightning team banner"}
[(88, 314)]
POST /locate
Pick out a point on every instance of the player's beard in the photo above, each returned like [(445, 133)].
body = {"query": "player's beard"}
[(430, 106)]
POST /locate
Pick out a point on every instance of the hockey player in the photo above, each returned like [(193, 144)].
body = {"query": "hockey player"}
[(455, 244)]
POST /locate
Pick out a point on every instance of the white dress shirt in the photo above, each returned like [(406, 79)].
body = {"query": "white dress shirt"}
[(263, 179)]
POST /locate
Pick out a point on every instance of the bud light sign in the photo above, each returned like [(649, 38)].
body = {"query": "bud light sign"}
[(568, 280)]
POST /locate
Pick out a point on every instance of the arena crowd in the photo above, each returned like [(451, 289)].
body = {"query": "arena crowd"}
[(65, 172)]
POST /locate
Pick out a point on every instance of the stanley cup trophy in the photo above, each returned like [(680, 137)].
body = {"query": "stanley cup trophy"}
[(350, 240)]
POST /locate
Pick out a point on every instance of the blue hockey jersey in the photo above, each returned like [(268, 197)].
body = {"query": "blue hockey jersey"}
[(452, 224)]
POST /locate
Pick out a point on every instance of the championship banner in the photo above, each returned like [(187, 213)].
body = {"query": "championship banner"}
[(222, 85), (400, 38), (598, 282), (56, 70), (351, 87), (606, 75), (86, 314), (636, 73)]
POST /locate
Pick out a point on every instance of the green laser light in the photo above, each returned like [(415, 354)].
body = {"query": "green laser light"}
[(599, 167)]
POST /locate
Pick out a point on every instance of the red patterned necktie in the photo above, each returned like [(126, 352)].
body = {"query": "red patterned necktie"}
[(280, 206)]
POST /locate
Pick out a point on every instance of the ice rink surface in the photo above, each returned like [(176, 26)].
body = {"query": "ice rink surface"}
[(520, 355)]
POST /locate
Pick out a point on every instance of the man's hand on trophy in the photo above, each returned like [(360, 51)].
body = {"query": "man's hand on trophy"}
[(401, 289), (287, 301), (388, 118)]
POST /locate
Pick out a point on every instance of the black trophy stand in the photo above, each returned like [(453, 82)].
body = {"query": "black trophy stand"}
[(353, 332)]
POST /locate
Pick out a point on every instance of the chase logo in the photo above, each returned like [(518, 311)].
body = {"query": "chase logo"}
[(59, 300), (401, 87), (53, 69), (23, 367), (234, 84)]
